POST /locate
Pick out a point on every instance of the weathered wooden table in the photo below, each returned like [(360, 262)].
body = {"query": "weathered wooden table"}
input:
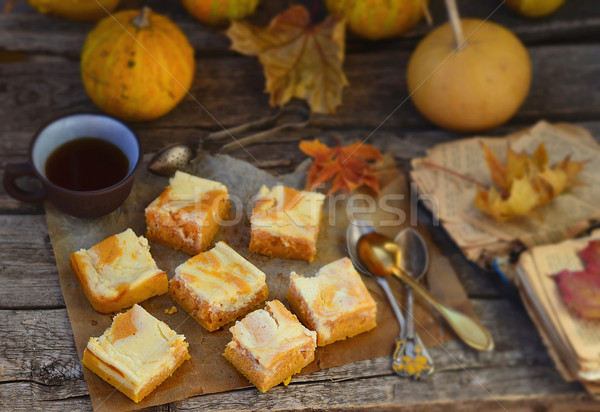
[(39, 80)]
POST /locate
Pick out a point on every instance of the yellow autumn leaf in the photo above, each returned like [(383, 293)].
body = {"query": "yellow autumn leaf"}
[(520, 202), (299, 60), (525, 182)]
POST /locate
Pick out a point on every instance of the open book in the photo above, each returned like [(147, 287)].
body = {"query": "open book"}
[(481, 238), (573, 342)]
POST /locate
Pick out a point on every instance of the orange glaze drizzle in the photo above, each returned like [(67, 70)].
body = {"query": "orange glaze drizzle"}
[(204, 204), (122, 326), (108, 251)]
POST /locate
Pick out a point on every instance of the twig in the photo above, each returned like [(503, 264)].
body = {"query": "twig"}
[(432, 165)]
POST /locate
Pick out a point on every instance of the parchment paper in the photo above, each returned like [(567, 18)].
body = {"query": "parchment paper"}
[(208, 371)]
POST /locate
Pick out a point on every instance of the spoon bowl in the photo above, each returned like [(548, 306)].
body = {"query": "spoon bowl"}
[(415, 257), (170, 159)]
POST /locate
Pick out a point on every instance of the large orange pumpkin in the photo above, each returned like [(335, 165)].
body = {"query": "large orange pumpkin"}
[(137, 65), (85, 10), (219, 12), (472, 89), (378, 19)]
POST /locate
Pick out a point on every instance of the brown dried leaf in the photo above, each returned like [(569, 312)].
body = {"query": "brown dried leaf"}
[(299, 60)]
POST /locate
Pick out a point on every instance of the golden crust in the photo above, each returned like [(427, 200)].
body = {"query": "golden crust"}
[(291, 364), (347, 325), (284, 247), (176, 233), (97, 366), (209, 317), (128, 296)]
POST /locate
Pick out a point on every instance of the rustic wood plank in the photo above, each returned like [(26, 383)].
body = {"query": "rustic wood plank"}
[(25, 30), (40, 365), (459, 392), (27, 266), (230, 90)]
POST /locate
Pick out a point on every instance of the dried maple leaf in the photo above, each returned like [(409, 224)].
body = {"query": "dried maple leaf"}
[(349, 166), (524, 182), (580, 290), (299, 60)]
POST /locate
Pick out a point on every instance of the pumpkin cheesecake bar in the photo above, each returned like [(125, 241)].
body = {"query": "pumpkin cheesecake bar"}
[(136, 354), (270, 345), (335, 303), (218, 286), (187, 214), (285, 223), (118, 272)]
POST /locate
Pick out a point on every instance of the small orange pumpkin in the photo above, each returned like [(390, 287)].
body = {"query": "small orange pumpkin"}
[(218, 12), (137, 65), (378, 19)]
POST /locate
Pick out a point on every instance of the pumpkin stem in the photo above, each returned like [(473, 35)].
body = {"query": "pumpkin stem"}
[(454, 17), (427, 13), (142, 20)]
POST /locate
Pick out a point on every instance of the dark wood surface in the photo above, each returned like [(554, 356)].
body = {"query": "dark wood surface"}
[(39, 80)]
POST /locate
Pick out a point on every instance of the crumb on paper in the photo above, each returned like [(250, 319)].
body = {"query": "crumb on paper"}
[(171, 311)]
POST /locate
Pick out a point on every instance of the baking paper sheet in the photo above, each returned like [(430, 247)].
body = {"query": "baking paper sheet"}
[(208, 371)]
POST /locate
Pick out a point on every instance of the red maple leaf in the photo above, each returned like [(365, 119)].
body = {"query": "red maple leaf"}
[(580, 290), (349, 167)]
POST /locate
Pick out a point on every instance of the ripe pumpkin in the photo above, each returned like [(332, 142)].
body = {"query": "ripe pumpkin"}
[(84, 10), (535, 8), (378, 19), (473, 89), (137, 65), (218, 12)]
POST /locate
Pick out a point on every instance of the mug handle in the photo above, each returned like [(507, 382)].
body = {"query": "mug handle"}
[(14, 171)]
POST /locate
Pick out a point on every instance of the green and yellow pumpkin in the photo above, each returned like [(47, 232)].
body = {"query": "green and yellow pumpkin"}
[(378, 19), (219, 12), (137, 65)]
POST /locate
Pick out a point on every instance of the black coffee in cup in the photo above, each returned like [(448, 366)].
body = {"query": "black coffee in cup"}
[(86, 163)]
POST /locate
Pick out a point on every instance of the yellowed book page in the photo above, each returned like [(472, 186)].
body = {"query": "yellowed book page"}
[(464, 157), (537, 306), (582, 334)]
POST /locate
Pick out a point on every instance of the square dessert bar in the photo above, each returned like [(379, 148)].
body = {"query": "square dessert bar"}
[(187, 214), (218, 286), (136, 354), (285, 223), (269, 346), (118, 272), (335, 303)]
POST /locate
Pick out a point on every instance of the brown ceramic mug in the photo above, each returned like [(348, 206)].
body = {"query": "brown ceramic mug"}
[(87, 204)]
